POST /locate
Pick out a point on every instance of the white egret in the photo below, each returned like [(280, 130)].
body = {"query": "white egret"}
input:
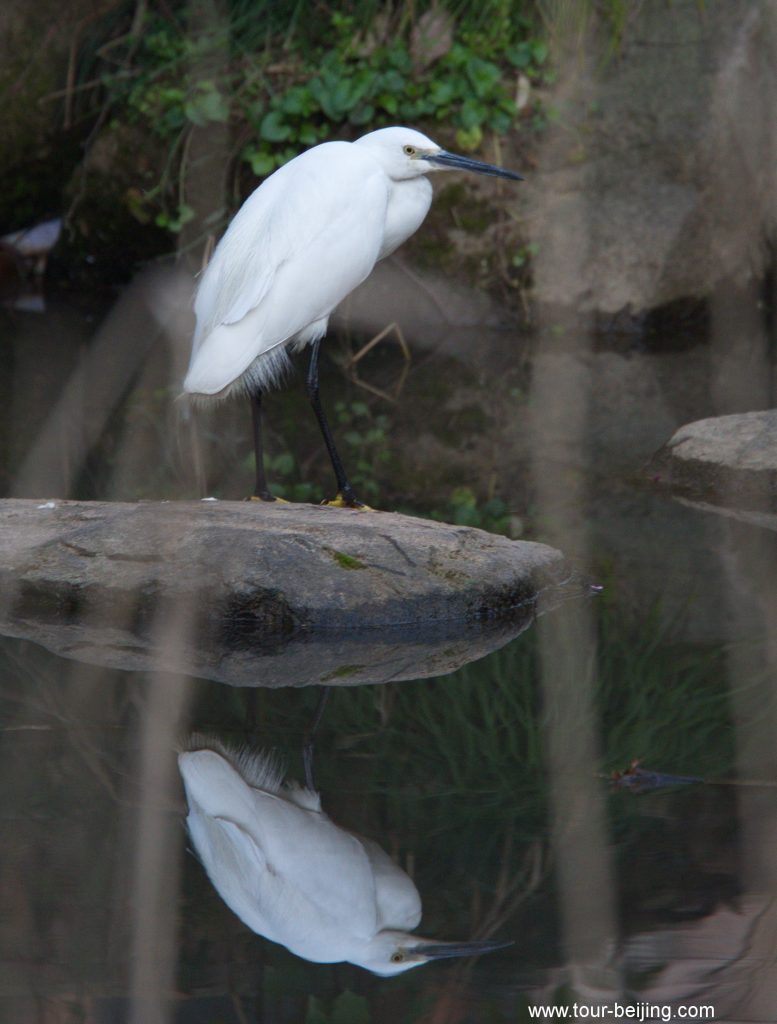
[(298, 246), (295, 877)]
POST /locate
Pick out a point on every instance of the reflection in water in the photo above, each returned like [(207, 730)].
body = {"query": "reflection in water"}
[(451, 769), (294, 876), (352, 657)]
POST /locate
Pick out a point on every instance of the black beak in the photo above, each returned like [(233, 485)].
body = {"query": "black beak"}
[(464, 163), (441, 950)]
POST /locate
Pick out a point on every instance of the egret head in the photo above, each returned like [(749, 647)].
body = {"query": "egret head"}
[(405, 153), (392, 952)]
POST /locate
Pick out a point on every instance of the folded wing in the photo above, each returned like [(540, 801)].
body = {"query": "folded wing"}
[(302, 242)]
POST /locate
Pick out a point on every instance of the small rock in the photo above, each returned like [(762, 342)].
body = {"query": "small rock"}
[(725, 460)]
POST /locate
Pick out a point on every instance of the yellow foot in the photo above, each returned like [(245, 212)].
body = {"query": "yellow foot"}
[(342, 502), (269, 501)]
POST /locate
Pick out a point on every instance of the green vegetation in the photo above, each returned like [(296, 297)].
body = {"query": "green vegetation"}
[(346, 561), (283, 471), (285, 78), (342, 672), (363, 438), (464, 509)]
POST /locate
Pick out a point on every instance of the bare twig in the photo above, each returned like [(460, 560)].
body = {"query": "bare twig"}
[(351, 366)]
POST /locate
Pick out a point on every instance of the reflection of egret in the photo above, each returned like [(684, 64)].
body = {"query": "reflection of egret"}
[(294, 876), (298, 246)]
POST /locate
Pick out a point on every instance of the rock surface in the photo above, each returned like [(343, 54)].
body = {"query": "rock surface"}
[(257, 594), (725, 460), (655, 183)]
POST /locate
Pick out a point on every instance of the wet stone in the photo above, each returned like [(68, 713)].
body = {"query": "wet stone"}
[(730, 461), (210, 587)]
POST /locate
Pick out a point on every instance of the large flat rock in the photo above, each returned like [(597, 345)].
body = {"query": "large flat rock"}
[(729, 461), (264, 594)]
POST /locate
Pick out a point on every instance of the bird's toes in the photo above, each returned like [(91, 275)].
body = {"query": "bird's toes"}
[(347, 501), (267, 497)]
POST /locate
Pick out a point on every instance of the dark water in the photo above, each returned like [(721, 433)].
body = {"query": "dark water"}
[(661, 896), (507, 789)]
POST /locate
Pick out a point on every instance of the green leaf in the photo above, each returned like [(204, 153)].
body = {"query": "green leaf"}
[(465, 515), (254, 111), (207, 104), (472, 114), (362, 114), (307, 134), (441, 92), (500, 122), (283, 464), (322, 90), (463, 496), (539, 52), (297, 101), (392, 81), (520, 56), (273, 128), (342, 97), (495, 507), (399, 58), (262, 163), (483, 75), (175, 222), (389, 103), (457, 57)]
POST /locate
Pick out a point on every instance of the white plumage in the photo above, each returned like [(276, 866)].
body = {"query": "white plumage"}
[(298, 246), (292, 875)]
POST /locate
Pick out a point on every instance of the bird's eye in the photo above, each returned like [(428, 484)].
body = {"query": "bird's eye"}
[(409, 150), (397, 958)]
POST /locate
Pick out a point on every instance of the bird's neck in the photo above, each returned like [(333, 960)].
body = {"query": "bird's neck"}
[(408, 204)]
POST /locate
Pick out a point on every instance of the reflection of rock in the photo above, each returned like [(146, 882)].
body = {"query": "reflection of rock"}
[(332, 657), (357, 656), (762, 519), (247, 593), (725, 959), (726, 460)]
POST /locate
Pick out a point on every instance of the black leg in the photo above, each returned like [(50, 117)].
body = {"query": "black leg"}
[(344, 490), (261, 490), (307, 749)]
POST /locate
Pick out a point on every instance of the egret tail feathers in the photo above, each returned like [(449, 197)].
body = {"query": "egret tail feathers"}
[(260, 769), (227, 361)]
